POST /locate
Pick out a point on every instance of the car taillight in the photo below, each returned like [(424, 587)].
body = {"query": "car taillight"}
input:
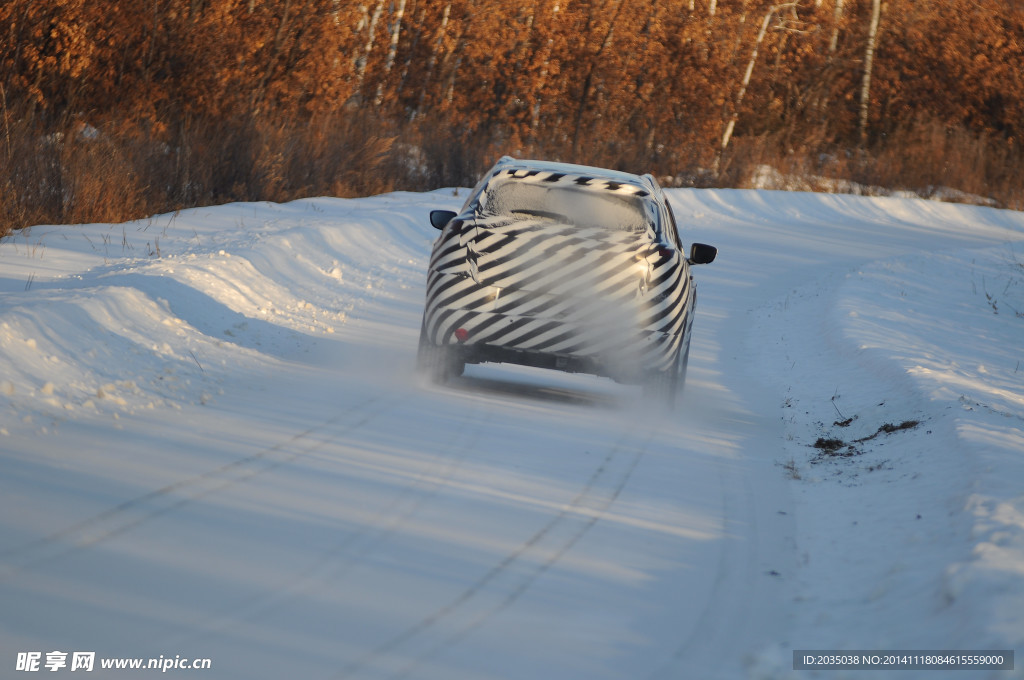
[(461, 334)]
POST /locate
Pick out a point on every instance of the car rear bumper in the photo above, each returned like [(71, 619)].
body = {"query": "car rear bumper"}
[(618, 351), (478, 354)]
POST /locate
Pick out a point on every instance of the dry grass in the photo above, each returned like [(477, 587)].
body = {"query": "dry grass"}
[(69, 172), (73, 173), (925, 157)]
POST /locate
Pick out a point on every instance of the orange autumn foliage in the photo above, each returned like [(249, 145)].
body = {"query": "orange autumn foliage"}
[(274, 99)]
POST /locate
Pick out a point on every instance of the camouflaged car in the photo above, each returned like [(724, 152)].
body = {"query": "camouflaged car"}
[(566, 267)]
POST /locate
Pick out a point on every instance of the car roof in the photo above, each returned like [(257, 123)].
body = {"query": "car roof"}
[(573, 172)]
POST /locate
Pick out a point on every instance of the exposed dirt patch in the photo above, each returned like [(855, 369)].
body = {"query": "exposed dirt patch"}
[(889, 428), (834, 447), (829, 445)]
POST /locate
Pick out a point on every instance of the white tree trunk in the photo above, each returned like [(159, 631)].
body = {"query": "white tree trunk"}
[(432, 62), (389, 62), (836, 18), (869, 59), (731, 125), (368, 48), (418, 23), (396, 29)]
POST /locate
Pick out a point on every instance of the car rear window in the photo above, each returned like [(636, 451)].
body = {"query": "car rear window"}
[(566, 203)]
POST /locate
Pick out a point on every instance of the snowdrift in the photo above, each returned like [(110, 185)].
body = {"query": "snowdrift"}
[(213, 446)]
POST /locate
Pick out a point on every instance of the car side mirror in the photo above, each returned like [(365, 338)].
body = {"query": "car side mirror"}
[(702, 253), (440, 218)]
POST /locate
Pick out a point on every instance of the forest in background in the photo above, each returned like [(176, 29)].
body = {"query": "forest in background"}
[(113, 111)]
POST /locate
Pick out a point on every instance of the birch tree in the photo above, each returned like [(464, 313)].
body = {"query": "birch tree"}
[(371, 25), (837, 17), (438, 44), (745, 82), (869, 60), (389, 61)]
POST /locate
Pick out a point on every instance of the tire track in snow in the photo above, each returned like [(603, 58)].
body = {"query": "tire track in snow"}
[(575, 507), (512, 597), (734, 581), (136, 511), (376, 530)]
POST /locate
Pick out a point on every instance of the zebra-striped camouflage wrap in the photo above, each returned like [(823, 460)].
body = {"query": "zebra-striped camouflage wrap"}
[(618, 300)]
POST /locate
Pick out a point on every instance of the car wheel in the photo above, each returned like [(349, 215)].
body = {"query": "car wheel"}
[(681, 380), (437, 363), (661, 387)]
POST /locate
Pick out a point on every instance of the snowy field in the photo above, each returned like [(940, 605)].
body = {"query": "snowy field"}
[(214, 446)]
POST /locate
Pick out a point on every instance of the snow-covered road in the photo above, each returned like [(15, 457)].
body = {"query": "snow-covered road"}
[(214, 446)]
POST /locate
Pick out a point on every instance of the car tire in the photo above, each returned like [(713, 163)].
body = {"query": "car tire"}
[(661, 387), (681, 379), (437, 363)]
